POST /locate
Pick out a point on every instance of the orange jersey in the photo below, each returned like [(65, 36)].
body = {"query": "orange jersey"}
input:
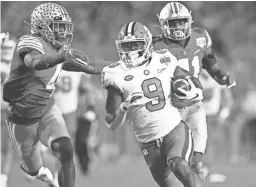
[(190, 58), (28, 91)]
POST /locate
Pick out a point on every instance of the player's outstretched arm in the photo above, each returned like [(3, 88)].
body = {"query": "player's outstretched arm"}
[(38, 61), (83, 63), (219, 75), (115, 113)]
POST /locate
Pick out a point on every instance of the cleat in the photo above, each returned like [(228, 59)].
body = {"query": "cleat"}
[(44, 174)]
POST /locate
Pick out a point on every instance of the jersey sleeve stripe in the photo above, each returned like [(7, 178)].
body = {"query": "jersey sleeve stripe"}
[(30, 42)]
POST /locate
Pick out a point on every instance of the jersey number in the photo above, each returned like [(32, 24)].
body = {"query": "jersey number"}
[(195, 69), (52, 82), (65, 84), (153, 88)]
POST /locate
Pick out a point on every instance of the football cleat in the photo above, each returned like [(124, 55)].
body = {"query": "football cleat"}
[(44, 174)]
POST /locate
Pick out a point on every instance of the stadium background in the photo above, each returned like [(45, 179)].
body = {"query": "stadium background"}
[(232, 26)]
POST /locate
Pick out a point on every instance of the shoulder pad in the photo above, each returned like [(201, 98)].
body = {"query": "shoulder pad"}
[(199, 30), (109, 75), (161, 51), (113, 65), (28, 42)]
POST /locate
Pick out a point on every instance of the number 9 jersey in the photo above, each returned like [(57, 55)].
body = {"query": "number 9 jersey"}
[(158, 117)]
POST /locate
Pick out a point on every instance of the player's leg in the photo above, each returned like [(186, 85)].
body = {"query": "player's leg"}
[(156, 162), (25, 142), (196, 120), (54, 135), (70, 119), (178, 146), (85, 139), (7, 151), (81, 147)]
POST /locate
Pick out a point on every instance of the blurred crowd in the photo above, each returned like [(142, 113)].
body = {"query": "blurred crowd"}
[(231, 114)]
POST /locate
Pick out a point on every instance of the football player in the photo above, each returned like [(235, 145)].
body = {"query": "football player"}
[(66, 98), (138, 88), (86, 135), (193, 49), (7, 48), (32, 115)]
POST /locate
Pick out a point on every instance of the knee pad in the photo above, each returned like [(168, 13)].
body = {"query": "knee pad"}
[(63, 148)]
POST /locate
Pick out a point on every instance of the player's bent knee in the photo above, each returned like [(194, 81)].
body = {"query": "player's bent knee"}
[(179, 166), (63, 148)]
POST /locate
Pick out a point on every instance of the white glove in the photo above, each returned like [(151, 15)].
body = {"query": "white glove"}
[(232, 85), (135, 99), (194, 93)]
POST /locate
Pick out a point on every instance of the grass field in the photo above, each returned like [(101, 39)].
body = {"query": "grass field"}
[(133, 172)]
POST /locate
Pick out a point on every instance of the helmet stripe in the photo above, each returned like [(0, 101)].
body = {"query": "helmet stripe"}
[(60, 8), (129, 29), (176, 9), (178, 6), (133, 25), (172, 8), (126, 29), (65, 11)]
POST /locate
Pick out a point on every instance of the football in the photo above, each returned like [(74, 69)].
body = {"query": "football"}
[(180, 83)]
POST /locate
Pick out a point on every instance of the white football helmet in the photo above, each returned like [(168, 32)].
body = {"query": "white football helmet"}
[(175, 21), (53, 23), (134, 44)]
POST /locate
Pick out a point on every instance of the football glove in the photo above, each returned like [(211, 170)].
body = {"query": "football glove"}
[(135, 99), (230, 82), (195, 94)]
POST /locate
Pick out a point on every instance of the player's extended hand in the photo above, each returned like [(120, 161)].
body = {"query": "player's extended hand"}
[(65, 53), (135, 99), (194, 93)]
